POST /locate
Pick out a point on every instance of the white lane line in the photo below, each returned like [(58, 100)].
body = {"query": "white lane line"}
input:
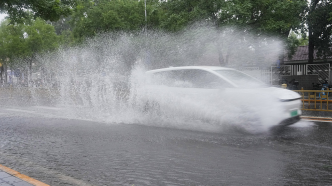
[(45, 113), (19, 110), (33, 113), (50, 108)]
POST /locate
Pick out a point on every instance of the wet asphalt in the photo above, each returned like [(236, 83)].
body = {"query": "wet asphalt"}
[(62, 151)]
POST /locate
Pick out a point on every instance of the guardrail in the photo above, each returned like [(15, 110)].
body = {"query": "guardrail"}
[(316, 100)]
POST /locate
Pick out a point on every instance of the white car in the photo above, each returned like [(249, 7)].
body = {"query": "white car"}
[(220, 94)]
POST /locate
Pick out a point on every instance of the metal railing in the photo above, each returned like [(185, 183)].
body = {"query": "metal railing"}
[(316, 100), (322, 70)]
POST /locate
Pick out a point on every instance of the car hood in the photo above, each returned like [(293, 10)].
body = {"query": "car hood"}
[(284, 94)]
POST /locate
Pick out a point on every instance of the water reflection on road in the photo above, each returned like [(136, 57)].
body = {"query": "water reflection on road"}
[(77, 152)]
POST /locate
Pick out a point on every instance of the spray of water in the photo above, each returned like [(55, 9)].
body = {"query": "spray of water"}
[(102, 80)]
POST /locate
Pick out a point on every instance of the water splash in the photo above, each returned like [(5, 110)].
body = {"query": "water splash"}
[(102, 79)]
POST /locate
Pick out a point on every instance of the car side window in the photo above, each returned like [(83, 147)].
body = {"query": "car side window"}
[(188, 78), (172, 78), (204, 79)]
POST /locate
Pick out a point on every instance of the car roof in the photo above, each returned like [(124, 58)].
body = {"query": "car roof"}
[(188, 67)]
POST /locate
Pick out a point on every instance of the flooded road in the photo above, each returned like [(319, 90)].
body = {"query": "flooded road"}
[(38, 142)]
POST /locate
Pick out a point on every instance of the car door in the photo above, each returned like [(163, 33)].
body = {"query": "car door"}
[(187, 91), (196, 91), (207, 88)]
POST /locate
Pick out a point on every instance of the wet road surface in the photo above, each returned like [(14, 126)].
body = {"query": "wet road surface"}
[(64, 151)]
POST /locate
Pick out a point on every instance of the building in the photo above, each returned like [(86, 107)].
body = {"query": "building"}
[(297, 68)]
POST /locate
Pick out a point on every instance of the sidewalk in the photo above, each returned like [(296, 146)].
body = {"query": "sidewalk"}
[(10, 177)]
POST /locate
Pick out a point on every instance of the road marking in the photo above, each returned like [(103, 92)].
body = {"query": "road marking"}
[(60, 176), (51, 108), (22, 176), (18, 110)]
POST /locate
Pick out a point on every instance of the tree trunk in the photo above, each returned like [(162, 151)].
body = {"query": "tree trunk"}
[(5, 70), (1, 74), (221, 59), (29, 74), (311, 47)]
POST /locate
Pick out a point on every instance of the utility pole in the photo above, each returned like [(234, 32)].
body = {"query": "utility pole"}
[(145, 16), (146, 35)]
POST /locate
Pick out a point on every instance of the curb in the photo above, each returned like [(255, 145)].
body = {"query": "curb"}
[(321, 119), (22, 176)]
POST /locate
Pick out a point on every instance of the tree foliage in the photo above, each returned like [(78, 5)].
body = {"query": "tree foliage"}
[(275, 17), (319, 24), (93, 17), (25, 40), (177, 14), (46, 9), (12, 43), (261, 18), (76, 20), (41, 37)]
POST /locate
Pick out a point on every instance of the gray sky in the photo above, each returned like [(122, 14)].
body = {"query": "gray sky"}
[(2, 16)]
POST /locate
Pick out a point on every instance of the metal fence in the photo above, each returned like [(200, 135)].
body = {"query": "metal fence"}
[(277, 72), (316, 100), (283, 70), (307, 74), (322, 70)]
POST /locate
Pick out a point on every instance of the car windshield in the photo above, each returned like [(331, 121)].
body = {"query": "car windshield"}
[(189, 78), (240, 79)]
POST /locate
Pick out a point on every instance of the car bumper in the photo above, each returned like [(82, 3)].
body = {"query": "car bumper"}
[(291, 112), (290, 121)]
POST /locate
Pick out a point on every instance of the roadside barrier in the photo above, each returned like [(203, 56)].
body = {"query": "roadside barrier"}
[(316, 100)]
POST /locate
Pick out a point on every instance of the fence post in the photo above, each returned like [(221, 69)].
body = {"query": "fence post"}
[(327, 99), (302, 97)]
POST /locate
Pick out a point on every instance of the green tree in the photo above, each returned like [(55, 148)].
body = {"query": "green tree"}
[(46, 9), (177, 14), (319, 23), (93, 17), (264, 18), (294, 41), (25, 40), (40, 37), (276, 17), (12, 44), (259, 17)]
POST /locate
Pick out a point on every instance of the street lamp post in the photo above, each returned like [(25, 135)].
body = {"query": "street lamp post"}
[(145, 15)]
